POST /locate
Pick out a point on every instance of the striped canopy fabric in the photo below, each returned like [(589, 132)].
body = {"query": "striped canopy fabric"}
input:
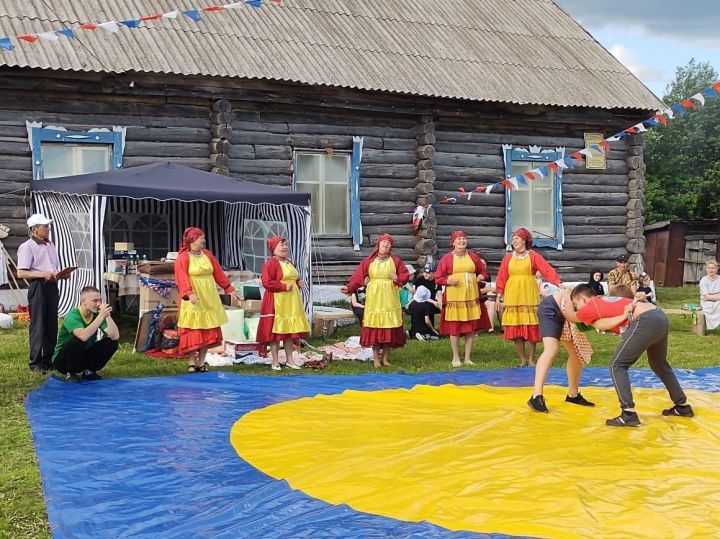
[(79, 224)]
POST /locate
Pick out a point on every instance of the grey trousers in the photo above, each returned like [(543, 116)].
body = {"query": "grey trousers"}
[(648, 332)]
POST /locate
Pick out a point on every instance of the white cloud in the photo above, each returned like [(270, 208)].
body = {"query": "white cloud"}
[(646, 73)]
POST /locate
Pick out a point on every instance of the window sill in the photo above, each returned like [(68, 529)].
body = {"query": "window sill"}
[(332, 236)]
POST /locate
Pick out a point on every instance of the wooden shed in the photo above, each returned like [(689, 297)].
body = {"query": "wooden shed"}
[(677, 250), (373, 107)]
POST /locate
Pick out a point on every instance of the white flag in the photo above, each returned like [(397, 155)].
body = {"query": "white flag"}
[(699, 97), (48, 36), (110, 26), (170, 15)]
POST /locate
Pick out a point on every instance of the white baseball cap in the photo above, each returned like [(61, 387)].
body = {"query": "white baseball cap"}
[(38, 219)]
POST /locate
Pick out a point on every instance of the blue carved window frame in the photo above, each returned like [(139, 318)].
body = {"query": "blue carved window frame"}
[(49, 135), (535, 154)]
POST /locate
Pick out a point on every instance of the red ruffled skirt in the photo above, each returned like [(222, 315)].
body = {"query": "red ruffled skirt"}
[(463, 327), (268, 337), (394, 337), (194, 339), (530, 333)]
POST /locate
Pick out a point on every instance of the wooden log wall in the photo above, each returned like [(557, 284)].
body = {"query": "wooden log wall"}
[(265, 137), (159, 128), (597, 204)]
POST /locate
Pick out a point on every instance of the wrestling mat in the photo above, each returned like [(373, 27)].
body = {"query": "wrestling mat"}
[(452, 455)]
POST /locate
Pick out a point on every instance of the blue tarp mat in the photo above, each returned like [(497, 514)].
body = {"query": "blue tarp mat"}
[(151, 457)]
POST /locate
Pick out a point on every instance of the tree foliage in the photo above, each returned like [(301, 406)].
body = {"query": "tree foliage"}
[(683, 158)]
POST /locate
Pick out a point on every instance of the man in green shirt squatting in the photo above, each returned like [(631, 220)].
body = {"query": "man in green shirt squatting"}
[(78, 354)]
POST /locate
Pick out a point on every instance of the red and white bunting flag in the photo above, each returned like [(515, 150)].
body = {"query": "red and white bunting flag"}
[(87, 26), (30, 38), (235, 5), (699, 97), (669, 113), (489, 188), (587, 152)]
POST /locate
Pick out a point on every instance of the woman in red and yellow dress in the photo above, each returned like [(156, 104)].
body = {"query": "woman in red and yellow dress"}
[(282, 314), (463, 312), (197, 272), (382, 326), (516, 283)]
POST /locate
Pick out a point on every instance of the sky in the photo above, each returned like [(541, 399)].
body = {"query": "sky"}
[(652, 37)]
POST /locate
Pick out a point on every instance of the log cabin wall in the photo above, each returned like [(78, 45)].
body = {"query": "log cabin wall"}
[(164, 128), (416, 150), (599, 215)]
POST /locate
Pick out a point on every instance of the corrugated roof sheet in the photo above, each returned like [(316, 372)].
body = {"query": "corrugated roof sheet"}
[(517, 51)]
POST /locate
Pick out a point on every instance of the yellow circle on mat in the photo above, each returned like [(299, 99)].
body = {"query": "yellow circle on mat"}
[(476, 458)]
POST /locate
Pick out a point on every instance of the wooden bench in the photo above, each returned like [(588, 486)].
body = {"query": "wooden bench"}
[(698, 319)]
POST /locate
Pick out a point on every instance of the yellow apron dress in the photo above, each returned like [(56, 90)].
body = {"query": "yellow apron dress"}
[(289, 316), (522, 297)]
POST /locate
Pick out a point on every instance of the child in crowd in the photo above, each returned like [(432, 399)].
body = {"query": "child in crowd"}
[(646, 330), (488, 297), (554, 329), (644, 288), (420, 310), (357, 300), (407, 290), (596, 277)]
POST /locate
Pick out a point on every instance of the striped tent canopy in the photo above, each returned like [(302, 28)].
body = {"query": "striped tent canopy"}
[(219, 205)]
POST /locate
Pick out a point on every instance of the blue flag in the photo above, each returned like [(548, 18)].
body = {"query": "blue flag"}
[(131, 23), (66, 32), (6, 44), (254, 3), (192, 14)]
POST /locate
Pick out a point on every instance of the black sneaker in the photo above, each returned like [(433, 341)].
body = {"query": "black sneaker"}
[(625, 419), (71, 378), (537, 403), (683, 410), (39, 370), (579, 399), (92, 376)]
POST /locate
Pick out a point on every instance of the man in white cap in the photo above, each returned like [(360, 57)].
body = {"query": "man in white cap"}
[(38, 263)]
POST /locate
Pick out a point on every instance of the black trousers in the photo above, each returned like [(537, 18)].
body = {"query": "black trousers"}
[(43, 300), (75, 358)]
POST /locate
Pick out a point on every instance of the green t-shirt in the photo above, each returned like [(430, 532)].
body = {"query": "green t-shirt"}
[(74, 320)]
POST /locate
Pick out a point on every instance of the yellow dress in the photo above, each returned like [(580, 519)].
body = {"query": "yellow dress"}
[(208, 312), (382, 300), (462, 299), (289, 311), (522, 297)]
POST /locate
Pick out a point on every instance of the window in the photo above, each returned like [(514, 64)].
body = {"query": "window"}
[(535, 205), (326, 178), (256, 233), (58, 153)]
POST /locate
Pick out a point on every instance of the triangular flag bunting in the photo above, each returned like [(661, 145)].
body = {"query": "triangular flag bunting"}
[(688, 104), (110, 26), (30, 38), (677, 107), (507, 184), (522, 180), (67, 32), (170, 15), (6, 44), (131, 23), (234, 5), (276, 2), (709, 93), (152, 17), (716, 86), (587, 152), (661, 118), (514, 181), (48, 36), (553, 166), (87, 26), (213, 8), (489, 188), (530, 175), (604, 145), (254, 3), (192, 14), (543, 171), (700, 98)]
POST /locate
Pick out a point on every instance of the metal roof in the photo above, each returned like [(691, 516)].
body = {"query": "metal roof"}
[(513, 51)]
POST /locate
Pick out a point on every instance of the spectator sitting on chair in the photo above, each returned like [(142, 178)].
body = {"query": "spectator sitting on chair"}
[(622, 274), (710, 295), (78, 353), (644, 292), (420, 309)]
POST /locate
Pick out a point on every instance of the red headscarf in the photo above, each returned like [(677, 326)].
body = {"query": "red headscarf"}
[(455, 235), (382, 237), (190, 235), (273, 243), (525, 235)]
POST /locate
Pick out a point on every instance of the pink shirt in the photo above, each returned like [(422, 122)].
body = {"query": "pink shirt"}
[(35, 255)]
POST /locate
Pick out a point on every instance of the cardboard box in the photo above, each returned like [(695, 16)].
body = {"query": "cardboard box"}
[(117, 266), (124, 246), (149, 299), (247, 305), (239, 349)]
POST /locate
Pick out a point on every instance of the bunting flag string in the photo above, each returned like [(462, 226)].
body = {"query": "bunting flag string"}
[(661, 118), (8, 43)]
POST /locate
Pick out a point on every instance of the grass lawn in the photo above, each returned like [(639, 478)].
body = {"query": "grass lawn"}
[(22, 508)]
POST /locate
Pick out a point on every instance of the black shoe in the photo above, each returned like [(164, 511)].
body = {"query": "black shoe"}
[(39, 370), (71, 378), (579, 399), (92, 376), (538, 404), (683, 410), (625, 419)]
